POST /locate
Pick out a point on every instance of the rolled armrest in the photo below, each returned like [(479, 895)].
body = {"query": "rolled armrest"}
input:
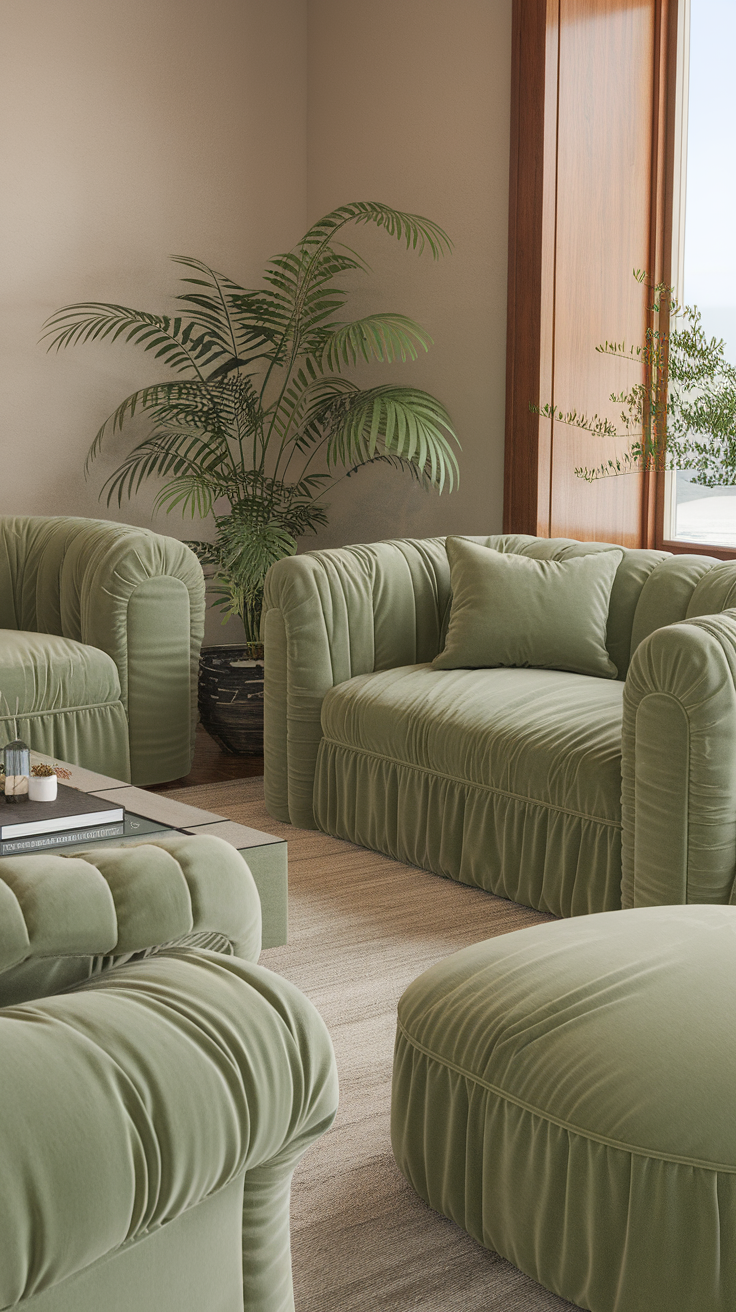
[(679, 765), (62, 918), (131, 1100), (134, 594), (330, 615)]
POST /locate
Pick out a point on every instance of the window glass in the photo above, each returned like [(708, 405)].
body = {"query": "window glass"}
[(704, 514)]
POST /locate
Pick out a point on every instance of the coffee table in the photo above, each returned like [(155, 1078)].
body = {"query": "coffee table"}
[(150, 814)]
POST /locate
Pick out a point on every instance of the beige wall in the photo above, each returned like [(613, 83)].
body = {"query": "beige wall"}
[(409, 104), (132, 129)]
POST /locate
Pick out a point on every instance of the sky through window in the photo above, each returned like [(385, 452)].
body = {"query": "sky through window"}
[(703, 514)]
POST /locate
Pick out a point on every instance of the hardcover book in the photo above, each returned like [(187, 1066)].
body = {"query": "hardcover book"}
[(71, 809), (51, 842), (133, 826)]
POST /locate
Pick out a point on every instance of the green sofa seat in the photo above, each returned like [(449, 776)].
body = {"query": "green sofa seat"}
[(509, 760), (565, 1094), (157, 1086), (514, 780), (100, 631), (67, 696)]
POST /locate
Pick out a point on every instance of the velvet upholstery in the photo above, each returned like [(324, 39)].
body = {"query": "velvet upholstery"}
[(508, 609), (155, 1094), (530, 823), (64, 919), (565, 1094), (100, 630), (568, 792)]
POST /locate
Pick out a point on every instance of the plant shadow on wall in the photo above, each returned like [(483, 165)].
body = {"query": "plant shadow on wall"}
[(260, 417), (683, 414)]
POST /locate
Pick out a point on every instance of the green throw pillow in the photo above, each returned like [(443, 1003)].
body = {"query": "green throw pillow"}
[(514, 610)]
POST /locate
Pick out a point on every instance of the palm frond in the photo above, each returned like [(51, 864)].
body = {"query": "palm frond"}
[(402, 421), (218, 301), (174, 398), (162, 453), (382, 337), (265, 319), (211, 301), (416, 231), (396, 462), (310, 407), (306, 402), (191, 493), (246, 548), (181, 343), (301, 279)]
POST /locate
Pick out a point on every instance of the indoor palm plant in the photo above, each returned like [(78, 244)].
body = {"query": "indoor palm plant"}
[(261, 416)]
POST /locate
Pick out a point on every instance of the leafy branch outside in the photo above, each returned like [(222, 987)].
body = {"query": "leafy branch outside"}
[(683, 415)]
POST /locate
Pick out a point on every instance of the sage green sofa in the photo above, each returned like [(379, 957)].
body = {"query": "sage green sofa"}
[(100, 630), (157, 1086), (566, 792)]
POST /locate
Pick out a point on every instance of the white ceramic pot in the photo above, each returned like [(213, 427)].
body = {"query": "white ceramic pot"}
[(42, 787)]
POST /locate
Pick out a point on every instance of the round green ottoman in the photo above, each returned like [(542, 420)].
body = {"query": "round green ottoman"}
[(567, 1094)]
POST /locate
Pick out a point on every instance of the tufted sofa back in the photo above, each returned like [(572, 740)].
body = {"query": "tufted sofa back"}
[(64, 918), (387, 604)]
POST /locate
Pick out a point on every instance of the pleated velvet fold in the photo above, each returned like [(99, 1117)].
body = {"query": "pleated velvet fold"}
[(565, 1094)]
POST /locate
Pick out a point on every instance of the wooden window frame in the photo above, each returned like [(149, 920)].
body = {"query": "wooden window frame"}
[(533, 292)]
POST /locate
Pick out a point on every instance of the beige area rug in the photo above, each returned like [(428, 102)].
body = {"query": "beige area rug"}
[(361, 928)]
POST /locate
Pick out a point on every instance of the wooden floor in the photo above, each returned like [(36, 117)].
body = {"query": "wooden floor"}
[(361, 927), (211, 766)]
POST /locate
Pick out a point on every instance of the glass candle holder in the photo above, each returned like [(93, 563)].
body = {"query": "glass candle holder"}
[(17, 760)]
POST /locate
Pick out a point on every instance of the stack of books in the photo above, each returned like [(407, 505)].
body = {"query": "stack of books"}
[(74, 817)]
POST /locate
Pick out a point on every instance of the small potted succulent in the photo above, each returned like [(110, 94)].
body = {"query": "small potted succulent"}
[(43, 783)]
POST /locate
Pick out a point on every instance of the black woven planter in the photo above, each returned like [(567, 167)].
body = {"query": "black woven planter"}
[(231, 697)]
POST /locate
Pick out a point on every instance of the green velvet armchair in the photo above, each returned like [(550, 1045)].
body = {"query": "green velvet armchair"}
[(560, 790), (100, 630), (157, 1086)]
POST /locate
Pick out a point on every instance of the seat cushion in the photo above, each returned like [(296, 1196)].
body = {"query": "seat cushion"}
[(68, 700), (542, 735), (509, 779), (44, 672), (577, 1080)]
